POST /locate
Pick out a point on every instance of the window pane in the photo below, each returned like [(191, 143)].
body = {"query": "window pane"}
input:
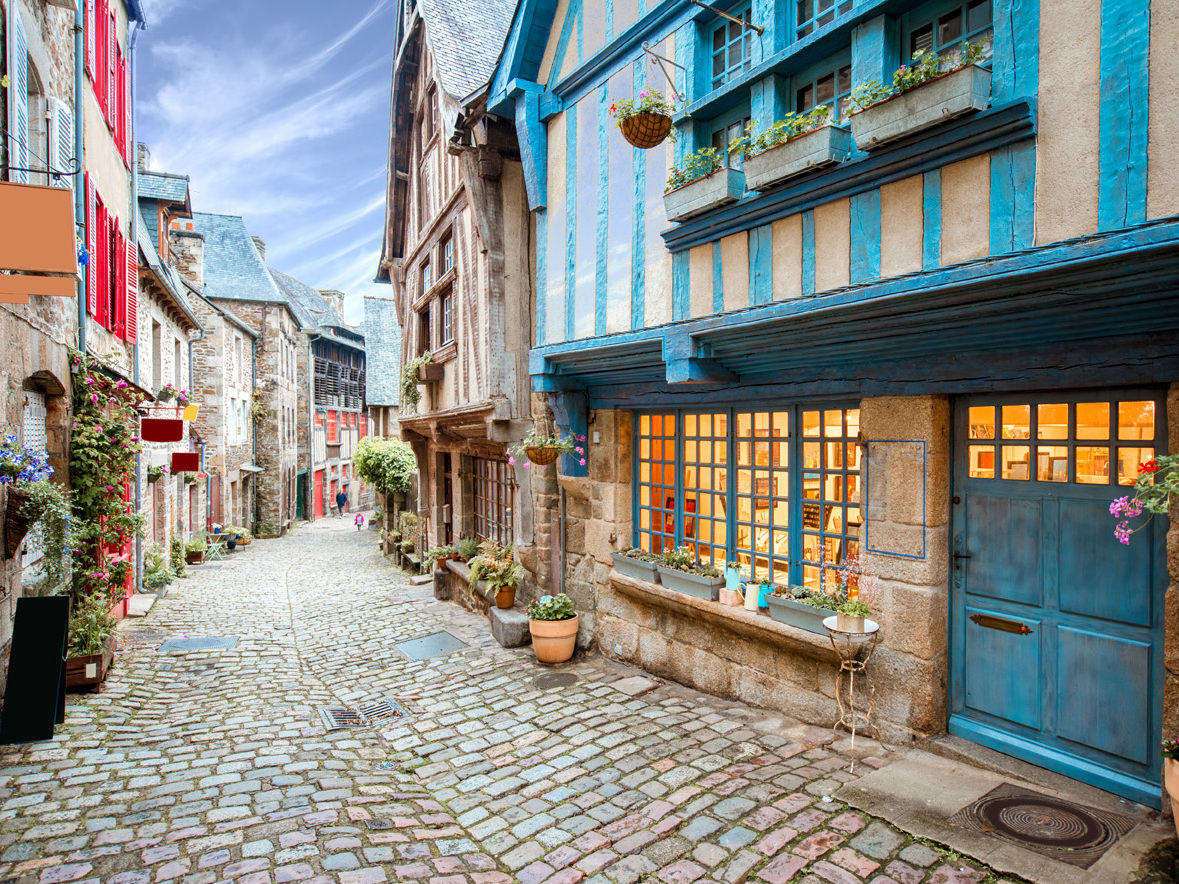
[(804, 99), (1129, 460), (1092, 465), (949, 27), (810, 425), (805, 11), (1015, 461), (718, 41), (1052, 463), (982, 422), (1092, 420), (1017, 420), (1136, 420), (1052, 421), (978, 14), (982, 461), (921, 39), (825, 88)]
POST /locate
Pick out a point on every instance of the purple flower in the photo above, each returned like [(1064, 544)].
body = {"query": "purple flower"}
[(582, 461)]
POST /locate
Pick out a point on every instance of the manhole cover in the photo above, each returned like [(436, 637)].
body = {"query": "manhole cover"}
[(209, 643), (433, 645), (551, 680), (1068, 832), (366, 715)]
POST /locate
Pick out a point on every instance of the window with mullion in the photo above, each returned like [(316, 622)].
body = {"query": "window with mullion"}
[(725, 129), (705, 460), (656, 482), (829, 83), (762, 494), (731, 47), (447, 304), (830, 510), (493, 491), (809, 15), (944, 27)]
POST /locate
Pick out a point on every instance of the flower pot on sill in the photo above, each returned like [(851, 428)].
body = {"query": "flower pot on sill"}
[(691, 584), (431, 372), (440, 564), (646, 130), (812, 150), (722, 187), (797, 614), (942, 98), (553, 640), (505, 597), (639, 570), (848, 623), (16, 526)]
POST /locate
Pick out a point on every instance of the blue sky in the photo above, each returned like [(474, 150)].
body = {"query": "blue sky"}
[(279, 112)]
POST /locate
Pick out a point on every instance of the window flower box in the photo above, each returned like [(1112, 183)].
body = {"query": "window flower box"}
[(635, 568), (798, 614), (943, 98), (812, 150), (431, 372), (722, 187), (691, 584)]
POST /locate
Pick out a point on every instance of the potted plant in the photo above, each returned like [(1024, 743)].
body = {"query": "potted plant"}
[(701, 181), (636, 563), (91, 642), (800, 607), (645, 121), (496, 566), (232, 534), (194, 551), (440, 554), (543, 448), (679, 570), (155, 473), (1155, 492), (1171, 777), (793, 145), (956, 85), (468, 547), (168, 393), (553, 624), (850, 616)]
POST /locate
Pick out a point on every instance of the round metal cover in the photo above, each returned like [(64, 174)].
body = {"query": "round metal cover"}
[(551, 680)]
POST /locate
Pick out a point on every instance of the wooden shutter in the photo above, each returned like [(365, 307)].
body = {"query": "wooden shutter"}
[(18, 97), (91, 249), (61, 141), (112, 48), (128, 142), (100, 261), (132, 275), (90, 43), (118, 289)]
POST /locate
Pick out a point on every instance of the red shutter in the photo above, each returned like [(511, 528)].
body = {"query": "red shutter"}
[(118, 286), (132, 322), (128, 144), (90, 45), (100, 37), (102, 267), (112, 50), (91, 240)]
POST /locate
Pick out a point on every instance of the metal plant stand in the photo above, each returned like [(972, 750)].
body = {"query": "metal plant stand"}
[(854, 649)]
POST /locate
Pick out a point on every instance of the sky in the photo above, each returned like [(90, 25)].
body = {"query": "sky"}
[(278, 110)]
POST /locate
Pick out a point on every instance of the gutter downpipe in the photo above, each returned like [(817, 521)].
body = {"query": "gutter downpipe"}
[(254, 423), (132, 37), (311, 427), (192, 341), (79, 152)]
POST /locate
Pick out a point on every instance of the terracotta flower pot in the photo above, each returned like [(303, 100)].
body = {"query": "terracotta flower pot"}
[(441, 563), (1171, 780), (646, 130), (553, 640), (506, 597)]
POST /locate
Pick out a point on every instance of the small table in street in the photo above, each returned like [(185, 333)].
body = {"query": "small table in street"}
[(855, 649)]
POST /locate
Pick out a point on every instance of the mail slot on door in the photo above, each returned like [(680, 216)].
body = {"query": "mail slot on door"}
[(1001, 623)]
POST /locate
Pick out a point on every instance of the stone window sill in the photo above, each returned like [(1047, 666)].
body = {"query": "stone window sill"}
[(746, 624)]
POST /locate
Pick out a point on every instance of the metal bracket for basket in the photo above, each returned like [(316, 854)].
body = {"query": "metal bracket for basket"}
[(739, 21), (658, 59)]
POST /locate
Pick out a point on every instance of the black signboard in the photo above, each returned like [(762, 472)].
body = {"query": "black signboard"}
[(34, 696)]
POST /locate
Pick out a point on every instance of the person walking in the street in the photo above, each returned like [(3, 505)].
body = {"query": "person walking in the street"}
[(359, 520), (342, 502)]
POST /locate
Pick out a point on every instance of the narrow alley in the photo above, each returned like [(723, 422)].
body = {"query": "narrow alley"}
[(210, 765)]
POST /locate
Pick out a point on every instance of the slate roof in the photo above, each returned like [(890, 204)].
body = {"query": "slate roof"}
[(233, 268), (154, 186), (382, 354), (167, 274), (312, 311), (467, 37)]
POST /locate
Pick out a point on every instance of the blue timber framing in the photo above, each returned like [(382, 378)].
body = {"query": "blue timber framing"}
[(1124, 113), (571, 412), (533, 138)]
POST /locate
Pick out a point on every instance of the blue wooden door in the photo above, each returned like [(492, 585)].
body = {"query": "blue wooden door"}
[(1056, 630)]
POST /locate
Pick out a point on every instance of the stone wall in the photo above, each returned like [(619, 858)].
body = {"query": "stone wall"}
[(1171, 606)]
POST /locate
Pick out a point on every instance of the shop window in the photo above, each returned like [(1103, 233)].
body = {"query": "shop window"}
[(943, 29), (723, 484), (830, 85), (731, 47), (493, 489), (812, 14)]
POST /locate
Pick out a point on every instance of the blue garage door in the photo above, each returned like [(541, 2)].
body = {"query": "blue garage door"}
[(1056, 628)]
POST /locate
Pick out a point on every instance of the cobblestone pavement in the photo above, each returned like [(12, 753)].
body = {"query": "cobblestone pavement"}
[(207, 766)]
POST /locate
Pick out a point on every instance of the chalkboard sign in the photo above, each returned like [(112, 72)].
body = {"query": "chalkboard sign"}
[(812, 515), (34, 696)]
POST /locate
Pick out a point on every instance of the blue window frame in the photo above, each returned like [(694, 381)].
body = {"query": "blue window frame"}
[(774, 490), (829, 84), (725, 129), (812, 14), (943, 28), (731, 47)]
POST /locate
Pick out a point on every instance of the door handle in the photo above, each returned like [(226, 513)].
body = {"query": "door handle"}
[(962, 555)]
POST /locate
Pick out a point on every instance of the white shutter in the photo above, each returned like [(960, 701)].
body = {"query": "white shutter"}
[(91, 46), (18, 96), (35, 437), (61, 142)]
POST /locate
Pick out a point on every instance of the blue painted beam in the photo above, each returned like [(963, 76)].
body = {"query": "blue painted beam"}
[(769, 100), (1124, 113), (603, 220), (687, 365), (808, 252), (570, 223), (541, 223), (931, 207), (571, 413), (875, 44), (680, 282), (761, 265), (1013, 198), (533, 138), (865, 236), (952, 141), (1015, 56), (718, 279)]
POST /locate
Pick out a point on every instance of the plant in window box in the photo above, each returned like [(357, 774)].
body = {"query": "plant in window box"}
[(154, 474), (795, 144), (168, 393), (645, 121), (922, 94), (496, 566), (800, 607), (636, 563), (440, 554), (467, 547), (1155, 492), (679, 570), (91, 642), (543, 448), (418, 371), (552, 621), (701, 181)]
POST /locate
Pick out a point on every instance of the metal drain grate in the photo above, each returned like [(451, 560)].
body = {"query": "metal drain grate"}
[(366, 715), (1068, 832)]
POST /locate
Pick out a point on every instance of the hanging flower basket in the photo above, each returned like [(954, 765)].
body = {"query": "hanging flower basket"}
[(161, 429), (646, 130), (543, 456), (16, 526)]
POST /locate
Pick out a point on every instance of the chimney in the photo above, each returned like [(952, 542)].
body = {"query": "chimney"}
[(335, 299), (142, 157), (260, 245), (188, 252)]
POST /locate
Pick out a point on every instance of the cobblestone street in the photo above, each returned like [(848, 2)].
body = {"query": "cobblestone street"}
[(214, 765)]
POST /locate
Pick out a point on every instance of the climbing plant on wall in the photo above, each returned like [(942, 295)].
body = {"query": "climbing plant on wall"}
[(104, 442)]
